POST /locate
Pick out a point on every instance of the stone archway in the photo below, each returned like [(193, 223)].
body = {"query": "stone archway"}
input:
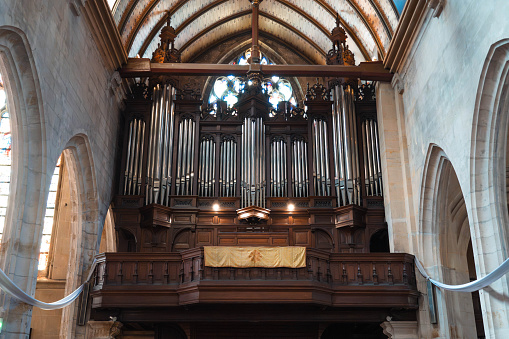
[(445, 242), (489, 198), (24, 216)]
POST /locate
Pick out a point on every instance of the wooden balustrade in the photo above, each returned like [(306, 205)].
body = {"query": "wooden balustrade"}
[(173, 279), (175, 269)]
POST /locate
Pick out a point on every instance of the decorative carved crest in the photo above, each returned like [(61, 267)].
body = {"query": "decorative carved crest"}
[(140, 90), (340, 54), (166, 51), (365, 92), (318, 92)]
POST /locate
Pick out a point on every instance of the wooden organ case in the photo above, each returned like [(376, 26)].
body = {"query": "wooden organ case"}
[(190, 178)]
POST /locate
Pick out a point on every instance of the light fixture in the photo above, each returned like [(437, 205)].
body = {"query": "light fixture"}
[(291, 207), (215, 206)]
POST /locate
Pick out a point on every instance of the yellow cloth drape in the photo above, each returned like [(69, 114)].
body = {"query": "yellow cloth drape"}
[(243, 257)]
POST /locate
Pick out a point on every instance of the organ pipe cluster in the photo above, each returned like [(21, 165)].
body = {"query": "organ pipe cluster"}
[(371, 153), (253, 185), (339, 155), (134, 161), (228, 168), (321, 170), (185, 158), (278, 178), (207, 167), (346, 159), (300, 180), (160, 146)]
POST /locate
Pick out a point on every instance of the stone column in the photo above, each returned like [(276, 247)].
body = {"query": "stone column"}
[(398, 196), (400, 329), (103, 329)]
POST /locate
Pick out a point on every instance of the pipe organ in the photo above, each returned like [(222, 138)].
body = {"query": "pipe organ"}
[(254, 158)]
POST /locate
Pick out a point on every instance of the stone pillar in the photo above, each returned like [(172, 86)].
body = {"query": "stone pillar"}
[(397, 185), (400, 329), (103, 329)]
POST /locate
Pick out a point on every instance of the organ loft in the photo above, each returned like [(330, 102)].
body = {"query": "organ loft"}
[(239, 199)]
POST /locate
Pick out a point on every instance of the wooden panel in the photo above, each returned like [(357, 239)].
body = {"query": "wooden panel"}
[(301, 238), (280, 241), (227, 241), (206, 220), (184, 219), (127, 217), (280, 221), (254, 241), (301, 220), (323, 219), (227, 220), (203, 237)]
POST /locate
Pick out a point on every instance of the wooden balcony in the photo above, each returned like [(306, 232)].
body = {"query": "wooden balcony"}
[(334, 280)]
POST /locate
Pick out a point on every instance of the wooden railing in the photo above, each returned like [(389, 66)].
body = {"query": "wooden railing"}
[(115, 269), (390, 274)]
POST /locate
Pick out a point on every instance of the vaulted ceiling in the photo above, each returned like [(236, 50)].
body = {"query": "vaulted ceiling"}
[(304, 25)]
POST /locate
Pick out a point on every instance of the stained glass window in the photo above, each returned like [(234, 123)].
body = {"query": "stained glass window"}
[(228, 88), (49, 216), (5, 155)]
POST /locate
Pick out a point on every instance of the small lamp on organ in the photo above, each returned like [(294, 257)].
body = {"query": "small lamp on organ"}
[(291, 207), (215, 206)]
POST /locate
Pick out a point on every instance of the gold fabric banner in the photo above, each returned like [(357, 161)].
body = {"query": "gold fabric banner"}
[(244, 257)]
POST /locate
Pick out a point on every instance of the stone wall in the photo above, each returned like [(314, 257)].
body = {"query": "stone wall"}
[(61, 97), (450, 93)]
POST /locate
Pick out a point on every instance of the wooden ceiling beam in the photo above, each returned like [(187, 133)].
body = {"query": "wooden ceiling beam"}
[(137, 67)]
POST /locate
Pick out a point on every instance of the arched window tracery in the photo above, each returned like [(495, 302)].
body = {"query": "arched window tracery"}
[(229, 88)]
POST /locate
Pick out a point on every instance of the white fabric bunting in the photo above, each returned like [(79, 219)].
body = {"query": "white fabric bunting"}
[(471, 286), (10, 288)]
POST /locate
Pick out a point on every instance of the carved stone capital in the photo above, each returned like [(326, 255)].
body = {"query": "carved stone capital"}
[(398, 84), (103, 329), (400, 329)]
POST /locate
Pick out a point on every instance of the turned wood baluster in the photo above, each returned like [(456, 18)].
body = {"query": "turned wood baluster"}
[(119, 274), (166, 273), (390, 277), (151, 273), (375, 275), (344, 275), (135, 274), (359, 274)]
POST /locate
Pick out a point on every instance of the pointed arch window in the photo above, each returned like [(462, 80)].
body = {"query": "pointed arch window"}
[(49, 216), (5, 155)]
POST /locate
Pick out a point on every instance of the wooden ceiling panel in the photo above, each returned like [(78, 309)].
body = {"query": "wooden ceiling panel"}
[(303, 24), (157, 13)]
